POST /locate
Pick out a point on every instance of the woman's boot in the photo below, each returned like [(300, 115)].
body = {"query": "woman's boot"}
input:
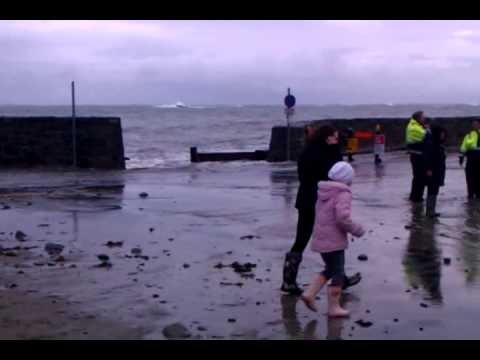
[(334, 308), (290, 271), (431, 205), (351, 281)]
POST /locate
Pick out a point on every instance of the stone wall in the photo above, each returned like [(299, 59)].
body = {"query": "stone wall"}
[(47, 142), (394, 129)]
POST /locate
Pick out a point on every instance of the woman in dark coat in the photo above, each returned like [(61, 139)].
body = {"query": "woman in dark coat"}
[(435, 158), (319, 155)]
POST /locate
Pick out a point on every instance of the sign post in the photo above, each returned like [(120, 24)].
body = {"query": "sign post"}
[(74, 127), (289, 102)]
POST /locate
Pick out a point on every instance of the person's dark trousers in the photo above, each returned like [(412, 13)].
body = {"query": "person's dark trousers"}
[(433, 190), (306, 221), (472, 174), (419, 177), (334, 267), (432, 193)]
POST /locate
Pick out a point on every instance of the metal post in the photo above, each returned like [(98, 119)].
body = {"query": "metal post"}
[(288, 136), (74, 127), (289, 104)]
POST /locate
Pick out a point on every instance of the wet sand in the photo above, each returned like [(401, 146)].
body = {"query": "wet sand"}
[(197, 217)]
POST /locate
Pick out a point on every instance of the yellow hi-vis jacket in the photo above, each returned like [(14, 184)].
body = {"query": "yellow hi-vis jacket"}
[(470, 142), (415, 135)]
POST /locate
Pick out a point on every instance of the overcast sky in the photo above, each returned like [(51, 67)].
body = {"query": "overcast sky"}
[(240, 62)]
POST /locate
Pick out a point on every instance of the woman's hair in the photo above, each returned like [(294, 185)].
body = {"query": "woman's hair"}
[(322, 134), (417, 115), (437, 132)]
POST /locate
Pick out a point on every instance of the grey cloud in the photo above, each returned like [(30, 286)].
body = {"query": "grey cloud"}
[(239, 62)]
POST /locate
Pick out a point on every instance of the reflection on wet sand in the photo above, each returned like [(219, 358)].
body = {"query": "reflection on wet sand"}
[(379, 172), (470, 241), (422, 259), (293, 326), (285, 182)]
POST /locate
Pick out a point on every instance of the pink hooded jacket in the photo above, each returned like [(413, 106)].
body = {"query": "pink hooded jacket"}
[(333, 218)]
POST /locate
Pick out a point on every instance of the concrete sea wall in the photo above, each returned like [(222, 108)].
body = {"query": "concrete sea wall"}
[(47, 142), (393, 128)]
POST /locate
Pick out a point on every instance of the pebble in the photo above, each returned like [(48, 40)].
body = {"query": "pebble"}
[(114, 243), (232, 320), (249, 237), (9, 253), (362, 257), (447, 261), (175, 331), (186, 266), (136, 251), (151, 229), (20, 236), (104, 264), (53, 249), (103, 257), (143, 195), (364, 323), (423, 305)]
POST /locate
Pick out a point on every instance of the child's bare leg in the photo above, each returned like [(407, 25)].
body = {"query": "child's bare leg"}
[(315, 286), (334, 308)]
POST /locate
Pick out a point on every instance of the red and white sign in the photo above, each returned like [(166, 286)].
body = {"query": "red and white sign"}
[(380, 139), (379, 146)]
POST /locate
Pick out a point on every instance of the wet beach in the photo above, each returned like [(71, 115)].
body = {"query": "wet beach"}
[(171, 253)]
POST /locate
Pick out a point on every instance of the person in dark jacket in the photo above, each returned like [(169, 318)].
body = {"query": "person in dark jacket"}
[(321, 152), (435, 158)]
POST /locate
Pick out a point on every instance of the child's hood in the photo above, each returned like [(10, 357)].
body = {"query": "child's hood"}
[(329, 189)]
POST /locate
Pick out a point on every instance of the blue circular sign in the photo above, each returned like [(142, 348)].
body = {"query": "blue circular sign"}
[(289, 100)]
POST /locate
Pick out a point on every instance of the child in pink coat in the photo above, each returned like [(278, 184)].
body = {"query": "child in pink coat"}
[(332, 224)]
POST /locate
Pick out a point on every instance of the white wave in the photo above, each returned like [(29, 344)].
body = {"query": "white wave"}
[(181, 105), (173, 161), (177, 105)]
